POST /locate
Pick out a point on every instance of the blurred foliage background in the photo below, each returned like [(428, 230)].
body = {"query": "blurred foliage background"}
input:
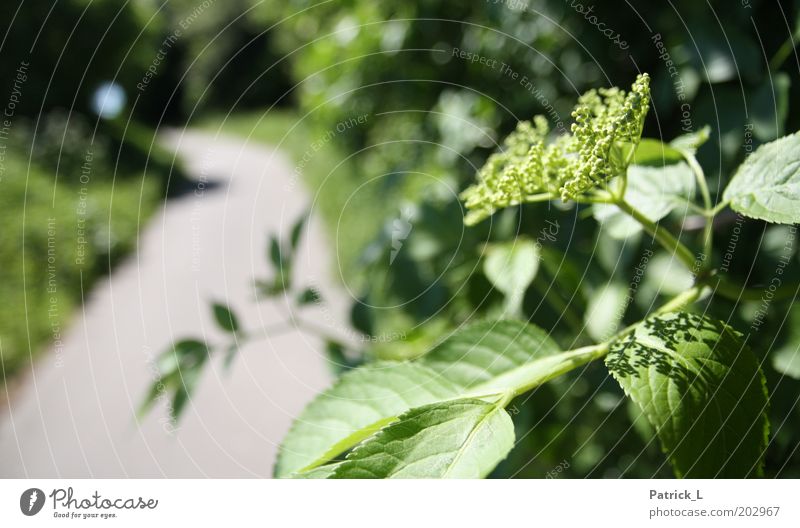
[(405, 101)]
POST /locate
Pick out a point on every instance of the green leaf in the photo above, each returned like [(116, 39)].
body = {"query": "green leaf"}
[(407, 345), (655, 153), (639, 422), (361, 401), (180, 367), (480, 352), (308, 296), (503, 357), (473, 461), (281, 260), (297, 230), (511, 267), (458, 439), (655, 192), (276, 254), (183, 354), (321, 472), (473, 361), (183, 383), (225, 317), (692, 141), (665, 275), (606, 310), (767, 185), (181, 398), (700, 386), (153, 394), (541, 370)]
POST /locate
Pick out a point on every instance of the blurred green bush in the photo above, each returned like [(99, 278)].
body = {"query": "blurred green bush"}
[(63, 167), (60, 230)]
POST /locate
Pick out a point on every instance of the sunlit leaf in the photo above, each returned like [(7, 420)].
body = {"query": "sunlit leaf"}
[(767, 185), (361, 401), (457, 439), (606, 310), (484, 358), (700, 386), (511, 267), (482, 351), (692, 141)]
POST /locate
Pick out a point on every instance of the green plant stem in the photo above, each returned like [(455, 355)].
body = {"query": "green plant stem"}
[(663, 237), (603, 197), (624, 188), (314, 329), (541, 197), (694, 207), (700, 176), (294, 321), (530, 375), (783, 52), (717, 209), (626, 164), (708, 228)]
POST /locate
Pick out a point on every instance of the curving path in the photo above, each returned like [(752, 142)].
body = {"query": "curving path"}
[(75, 414)]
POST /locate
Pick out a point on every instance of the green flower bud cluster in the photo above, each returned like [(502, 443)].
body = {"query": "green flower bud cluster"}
[(608, 124), (503, 179), (607, 128)]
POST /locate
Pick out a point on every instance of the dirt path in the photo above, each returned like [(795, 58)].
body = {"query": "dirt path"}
[(75, 415)]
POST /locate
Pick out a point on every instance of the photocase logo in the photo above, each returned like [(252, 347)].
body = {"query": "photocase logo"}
[(401, 228), (31, 501)]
